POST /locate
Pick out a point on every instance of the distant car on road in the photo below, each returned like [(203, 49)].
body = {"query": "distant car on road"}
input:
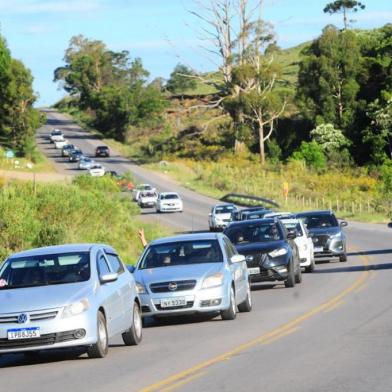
[(141, 188), (270, 251), (75, 155), (67, 296), (102, 151), (97, 170), (303, 240), (193, 273), (59, 144), (220, 216), (147, 199), (56, 136), (169, 202), (328, 237), (280, 215), (249, 213), (85, 163), (67, 149)]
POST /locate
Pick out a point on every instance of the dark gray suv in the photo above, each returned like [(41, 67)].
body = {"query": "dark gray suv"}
[(328, 237)]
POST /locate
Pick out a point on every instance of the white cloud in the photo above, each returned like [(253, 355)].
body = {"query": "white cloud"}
[(39, 29), (49, 6)]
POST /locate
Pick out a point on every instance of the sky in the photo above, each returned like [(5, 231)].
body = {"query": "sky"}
[(161, 32)]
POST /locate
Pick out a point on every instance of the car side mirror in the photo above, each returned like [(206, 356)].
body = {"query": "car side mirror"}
[(291, 236), (108, 278), (343, 224), (237, 259), (131, 268)]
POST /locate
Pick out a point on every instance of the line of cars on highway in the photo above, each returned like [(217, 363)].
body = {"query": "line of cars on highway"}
[(75, 154), (83, 295)]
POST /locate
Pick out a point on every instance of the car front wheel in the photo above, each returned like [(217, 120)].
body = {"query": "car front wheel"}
[(290, 281), (343, 258), (101, 347), (246, 306), (298, 275), (134, 335), (231, 312)]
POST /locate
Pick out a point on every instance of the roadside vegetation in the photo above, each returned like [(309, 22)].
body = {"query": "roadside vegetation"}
[(88, 210)]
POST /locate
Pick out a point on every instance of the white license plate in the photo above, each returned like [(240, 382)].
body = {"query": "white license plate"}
[(318, 249), (23, 333), (254, 271), (172, 302)]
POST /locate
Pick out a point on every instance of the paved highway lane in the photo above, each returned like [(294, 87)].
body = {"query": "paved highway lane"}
[(331, 333)]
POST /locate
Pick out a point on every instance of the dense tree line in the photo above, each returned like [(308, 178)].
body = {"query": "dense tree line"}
[(18, 118), (111, 86)]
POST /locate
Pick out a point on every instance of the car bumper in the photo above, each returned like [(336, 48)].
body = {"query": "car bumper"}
[(197, 301), (333, 248), (269, 274), (54, 334), (170, 208)]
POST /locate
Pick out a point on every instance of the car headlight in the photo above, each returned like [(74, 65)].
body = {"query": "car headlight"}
[(140, 288), (338, 236), (278, 252), (76, 308), (215, 280)]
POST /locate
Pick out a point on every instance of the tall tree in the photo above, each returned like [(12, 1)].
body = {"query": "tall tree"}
[(344, 7), (181, 79)]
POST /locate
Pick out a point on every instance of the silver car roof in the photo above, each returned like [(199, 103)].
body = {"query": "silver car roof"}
[(47, 250), (188, 237)]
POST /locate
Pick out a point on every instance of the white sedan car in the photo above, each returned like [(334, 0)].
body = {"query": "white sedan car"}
[(141, 188), (303, 241), (86, 163), (147, 199), (220, 216), (169, 202), (97, 171), (59, 144), (56, 135)]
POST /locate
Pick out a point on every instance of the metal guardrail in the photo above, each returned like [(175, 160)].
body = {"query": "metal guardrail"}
[(248, 200)]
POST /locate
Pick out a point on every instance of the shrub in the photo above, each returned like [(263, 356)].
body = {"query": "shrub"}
[(312, 154)]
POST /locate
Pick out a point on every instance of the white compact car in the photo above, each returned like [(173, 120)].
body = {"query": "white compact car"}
[(169, 202), (97, 171), (147, 199), (56, 136), (220, 216), (86, 163), (303, 241), (59, 144), (141, 188)]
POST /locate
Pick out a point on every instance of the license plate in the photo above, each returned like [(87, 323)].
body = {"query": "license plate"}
[(23, 333), (172, 302), (254, 271), (318, 249)]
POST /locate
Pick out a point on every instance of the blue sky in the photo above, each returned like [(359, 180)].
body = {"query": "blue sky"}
[(161, 32)]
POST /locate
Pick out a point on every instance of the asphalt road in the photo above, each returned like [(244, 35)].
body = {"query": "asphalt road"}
[(331, 333)]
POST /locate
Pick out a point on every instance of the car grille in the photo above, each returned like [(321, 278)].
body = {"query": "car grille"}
[(189, 304), (321, 240), (182, 285), (43, 340), (257, 261), (34, 316)]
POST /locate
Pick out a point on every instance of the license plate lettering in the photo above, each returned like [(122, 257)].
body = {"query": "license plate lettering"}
[(318, 249), (173, 302), (23, 333), (254, 271)]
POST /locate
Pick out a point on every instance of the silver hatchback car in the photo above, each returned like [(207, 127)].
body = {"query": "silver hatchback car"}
[(65, 296), (193, 273)]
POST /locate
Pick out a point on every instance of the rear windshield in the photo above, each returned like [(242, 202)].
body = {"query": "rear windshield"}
[(182, 253), (45, 270), (293, 227), (318, 221), (259, 232)]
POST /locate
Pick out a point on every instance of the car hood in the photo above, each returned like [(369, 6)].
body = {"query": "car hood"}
[(325, 230), (259, 247), (179, 272), (27, 299), (223, 216)]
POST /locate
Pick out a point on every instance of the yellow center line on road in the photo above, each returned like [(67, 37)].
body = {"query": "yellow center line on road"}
[(183, 382), (185, 376)]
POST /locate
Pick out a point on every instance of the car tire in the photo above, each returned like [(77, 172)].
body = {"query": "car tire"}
[(310, 268), (290, 281), (298, 275), (246, 306), (231, 312), (101, 347), (134, 335), (343, 258)]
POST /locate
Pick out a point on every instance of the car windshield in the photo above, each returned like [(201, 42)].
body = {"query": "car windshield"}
[(258, 232), (182, 253), (170, 196), (56, 133), (224, 209), (43, 270), (86, 160), (319, 221), (148, 194), (293, 227)]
